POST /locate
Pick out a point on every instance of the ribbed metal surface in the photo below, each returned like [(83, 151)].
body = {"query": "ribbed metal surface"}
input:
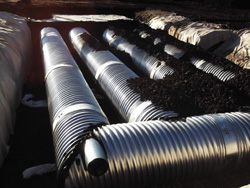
[(201, 64), (213, 69), (72, 106), (157, 152), (197, 62), (147, 63), (112, 75)]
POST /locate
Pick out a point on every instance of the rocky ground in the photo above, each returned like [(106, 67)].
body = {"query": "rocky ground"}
[(32, 145)]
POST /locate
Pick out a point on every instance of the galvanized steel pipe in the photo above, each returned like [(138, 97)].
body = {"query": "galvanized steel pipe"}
[(150, 65), (72, 106), (199, 63), (213, 69), (158, 152), (112, 75)]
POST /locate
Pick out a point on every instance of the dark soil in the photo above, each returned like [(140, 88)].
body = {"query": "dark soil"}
[(32, 143)]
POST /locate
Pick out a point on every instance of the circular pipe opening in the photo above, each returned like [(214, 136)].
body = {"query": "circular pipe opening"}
[(98, 167), (95, 157)]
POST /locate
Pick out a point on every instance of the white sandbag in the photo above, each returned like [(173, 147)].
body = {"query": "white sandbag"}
[(202, 34), (15, 53), (165, 21), (237, 49)]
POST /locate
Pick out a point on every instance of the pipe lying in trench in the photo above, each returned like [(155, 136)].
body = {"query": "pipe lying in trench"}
[(72, 107), (112, 75), (197, 62), (159, 152), (150, 65)]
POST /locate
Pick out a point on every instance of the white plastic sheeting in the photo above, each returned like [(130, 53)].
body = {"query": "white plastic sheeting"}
[(15, 46), (83, 18), (202, 34), (165, 21), (28, 100), (237, 49)]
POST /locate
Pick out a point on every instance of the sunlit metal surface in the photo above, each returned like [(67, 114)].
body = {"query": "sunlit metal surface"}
[(72, 106), (147, 63), (112, 75), (199, 63), (158, 152), (213, 69)]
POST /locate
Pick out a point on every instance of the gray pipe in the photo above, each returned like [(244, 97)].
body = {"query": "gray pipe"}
[(213, 69), (159, 152), (150, 65), (112, 75), (72, 106), (199, 63)]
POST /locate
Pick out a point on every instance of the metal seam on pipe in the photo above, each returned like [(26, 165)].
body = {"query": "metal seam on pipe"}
[(113, 78), (103, 66), (55, 67), (73, 108), (145, 62), (159, 152), (70, 109)]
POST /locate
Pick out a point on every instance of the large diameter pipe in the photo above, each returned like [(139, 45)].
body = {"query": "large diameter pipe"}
[(72, 106), (112, 75), (159, 152), (150, 65)]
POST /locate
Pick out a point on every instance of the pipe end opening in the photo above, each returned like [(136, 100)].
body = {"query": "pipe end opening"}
[(98, 167)]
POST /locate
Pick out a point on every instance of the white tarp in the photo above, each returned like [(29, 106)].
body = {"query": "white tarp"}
[(237, 49), (202, 34), (165, 21), (83, 18), (15, 46)]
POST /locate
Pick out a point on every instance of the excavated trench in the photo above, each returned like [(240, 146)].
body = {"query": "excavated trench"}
[(188, 91)]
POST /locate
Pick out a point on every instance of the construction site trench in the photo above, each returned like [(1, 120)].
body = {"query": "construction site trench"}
[(187, 91)]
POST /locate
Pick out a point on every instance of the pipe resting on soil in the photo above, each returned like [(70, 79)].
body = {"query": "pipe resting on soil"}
[(199, 63), (150, 65), (73, 108), (112, 75)]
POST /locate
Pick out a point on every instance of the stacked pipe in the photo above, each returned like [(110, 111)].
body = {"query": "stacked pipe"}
[(158, 152), (72, 107), (199, 63), (112, 75), (150, 65)]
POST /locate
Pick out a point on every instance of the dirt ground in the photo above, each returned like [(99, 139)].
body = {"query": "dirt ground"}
[(32, 143)]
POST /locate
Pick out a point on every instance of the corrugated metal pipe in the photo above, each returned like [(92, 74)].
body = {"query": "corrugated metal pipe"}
[(158, 152), (197, 62), (150, 65), (73, 108), (112, 75)]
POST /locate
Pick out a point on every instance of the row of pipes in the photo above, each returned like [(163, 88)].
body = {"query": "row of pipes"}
[(150, 149), (160, 70)]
